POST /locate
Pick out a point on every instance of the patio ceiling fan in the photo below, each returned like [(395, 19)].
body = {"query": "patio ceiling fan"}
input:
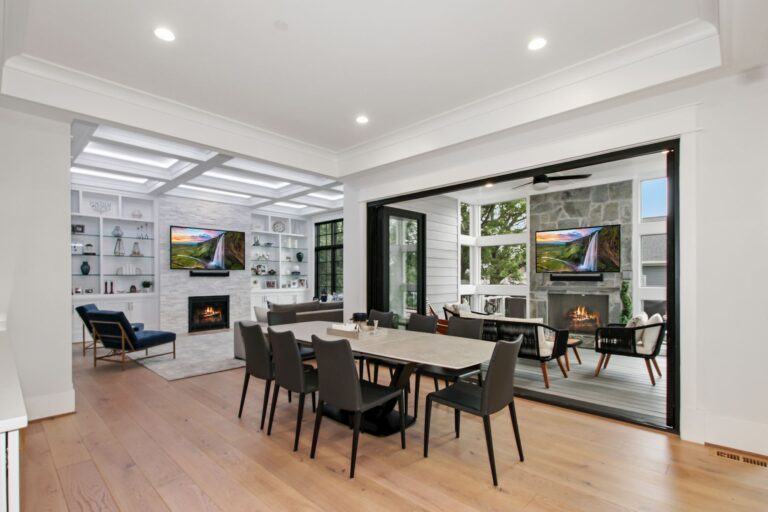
[(541, 182)]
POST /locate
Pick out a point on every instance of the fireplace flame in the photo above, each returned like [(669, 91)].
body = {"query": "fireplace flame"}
[(582, 317), (209, 311)]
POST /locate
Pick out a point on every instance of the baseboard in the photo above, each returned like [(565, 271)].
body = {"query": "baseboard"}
[(748, 436), (54, 404)]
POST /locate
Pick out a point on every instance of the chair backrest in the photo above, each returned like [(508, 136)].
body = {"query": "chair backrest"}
[(338, 382), (499, 383), (83, 311), (281, 317), (258, 354), (465, 327), (422, 323), (110, 327), (289, 370), (385, 318)]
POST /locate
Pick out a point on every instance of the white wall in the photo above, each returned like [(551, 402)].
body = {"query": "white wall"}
[(724, 221), (442, 241), (35, 278)]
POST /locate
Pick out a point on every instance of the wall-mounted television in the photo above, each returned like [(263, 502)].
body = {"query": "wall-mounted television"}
[(211, 249), (591, 249)]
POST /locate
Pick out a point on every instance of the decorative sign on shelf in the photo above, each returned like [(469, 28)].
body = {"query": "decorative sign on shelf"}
[(100, 206)]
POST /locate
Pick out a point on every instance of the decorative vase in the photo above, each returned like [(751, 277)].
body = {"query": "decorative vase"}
[(119, 250), (118, 231), (299, 257), (85, 268)]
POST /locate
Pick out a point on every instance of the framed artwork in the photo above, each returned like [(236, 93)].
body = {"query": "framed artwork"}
[(270, 283)]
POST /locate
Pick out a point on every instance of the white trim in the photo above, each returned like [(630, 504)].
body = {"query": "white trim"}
[(54, 404)]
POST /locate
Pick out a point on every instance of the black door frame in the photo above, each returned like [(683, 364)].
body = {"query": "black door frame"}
[(378, 256), (672, 147)]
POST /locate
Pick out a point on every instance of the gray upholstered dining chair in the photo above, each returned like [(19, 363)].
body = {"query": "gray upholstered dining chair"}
[(416, 323), (291, 374), (462, 328), (258, 361), (386, 318), (340, 387), (289, 317), (497, 392)]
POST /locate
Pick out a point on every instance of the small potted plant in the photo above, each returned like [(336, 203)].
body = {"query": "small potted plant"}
[(146, 285)]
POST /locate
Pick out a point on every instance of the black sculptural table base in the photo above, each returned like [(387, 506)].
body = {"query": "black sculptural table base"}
[(383, 420)]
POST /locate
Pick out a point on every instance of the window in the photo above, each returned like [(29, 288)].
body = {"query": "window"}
[(504, 218), (465, 219), (653, 200), (503, 264), (329, 257), (466, 276)]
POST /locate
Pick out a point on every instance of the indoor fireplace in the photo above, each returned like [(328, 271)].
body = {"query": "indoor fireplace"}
[(579, 314), (210, 312)]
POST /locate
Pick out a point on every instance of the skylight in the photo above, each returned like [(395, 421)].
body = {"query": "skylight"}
[(108, 175), (214, 191), (106, 150), (274, 185)]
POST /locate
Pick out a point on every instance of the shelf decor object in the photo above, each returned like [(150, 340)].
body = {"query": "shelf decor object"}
[(85, 268), (278, 227)]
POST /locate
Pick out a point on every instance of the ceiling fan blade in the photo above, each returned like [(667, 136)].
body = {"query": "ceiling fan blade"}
[(523, 185), (571, 177)]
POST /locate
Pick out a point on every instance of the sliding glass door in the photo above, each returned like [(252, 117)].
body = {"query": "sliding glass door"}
[(397, 273)]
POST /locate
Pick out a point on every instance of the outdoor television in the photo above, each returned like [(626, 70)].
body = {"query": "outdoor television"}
[(592, 249), (212, 249)]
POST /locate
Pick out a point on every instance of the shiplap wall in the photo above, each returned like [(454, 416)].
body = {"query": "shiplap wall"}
[(442, 247)]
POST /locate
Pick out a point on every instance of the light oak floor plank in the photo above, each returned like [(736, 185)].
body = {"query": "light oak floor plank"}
[(139, 442)]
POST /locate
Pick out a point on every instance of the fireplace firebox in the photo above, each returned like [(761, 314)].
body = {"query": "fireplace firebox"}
[(580, 314), (209, 312)]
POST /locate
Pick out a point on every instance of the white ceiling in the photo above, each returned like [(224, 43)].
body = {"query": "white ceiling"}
[(123, 160), (306, 69)]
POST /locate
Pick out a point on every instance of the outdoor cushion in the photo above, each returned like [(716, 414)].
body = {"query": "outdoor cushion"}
[(650, 335), (638, 321)]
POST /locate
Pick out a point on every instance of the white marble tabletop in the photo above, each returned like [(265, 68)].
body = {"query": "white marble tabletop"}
[(416, 347)]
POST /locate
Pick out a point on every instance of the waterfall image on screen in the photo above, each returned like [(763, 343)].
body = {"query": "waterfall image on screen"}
[(594, 249), (212, 249)]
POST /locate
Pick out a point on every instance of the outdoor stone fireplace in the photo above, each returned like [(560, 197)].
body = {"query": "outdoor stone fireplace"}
[(208, 312), (578, 313)]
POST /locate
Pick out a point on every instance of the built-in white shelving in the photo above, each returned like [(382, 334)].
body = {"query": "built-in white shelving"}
[(279, 254)]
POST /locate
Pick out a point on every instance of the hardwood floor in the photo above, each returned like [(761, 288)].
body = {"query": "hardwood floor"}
[(140, 443)]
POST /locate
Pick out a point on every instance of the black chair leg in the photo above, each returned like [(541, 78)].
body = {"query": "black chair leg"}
[(266, 402), (368, 366), (426, 426), (437, 384), (416, 396), (242, 398), (290, 396), (489, 443), (298, 422), (401, 405), (457, 422), (314, 404), (362, 367), (355, 437), (513, 414), (376, 372), (316, 432), (272, 409)]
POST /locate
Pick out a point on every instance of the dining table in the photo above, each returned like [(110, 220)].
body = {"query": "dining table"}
[(407, 349)]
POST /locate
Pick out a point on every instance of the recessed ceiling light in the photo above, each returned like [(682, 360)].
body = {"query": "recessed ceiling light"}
[(362, 119), (108, 175), (165, 34), (214, 191), (290, 205), (259, 183), (537, 43), (328, 196), (488, 185)]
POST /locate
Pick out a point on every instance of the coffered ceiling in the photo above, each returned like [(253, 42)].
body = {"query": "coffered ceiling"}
[(118, 159)]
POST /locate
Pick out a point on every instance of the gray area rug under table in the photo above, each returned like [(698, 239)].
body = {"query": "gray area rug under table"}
[(197, 354)]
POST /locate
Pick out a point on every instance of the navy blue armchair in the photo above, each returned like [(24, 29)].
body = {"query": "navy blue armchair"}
[(83, 311), (115, 333)]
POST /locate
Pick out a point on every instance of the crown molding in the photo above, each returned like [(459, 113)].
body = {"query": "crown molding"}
[(29, 78), (684, 50)]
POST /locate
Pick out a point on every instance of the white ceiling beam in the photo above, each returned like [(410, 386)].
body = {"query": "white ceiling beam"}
[(194, 172), (81, 135), (151, 151)]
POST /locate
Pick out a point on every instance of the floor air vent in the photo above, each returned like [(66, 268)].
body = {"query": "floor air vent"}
[(743, 458)]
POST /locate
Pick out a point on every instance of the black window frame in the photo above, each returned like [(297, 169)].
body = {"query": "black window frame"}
[(333, 249)]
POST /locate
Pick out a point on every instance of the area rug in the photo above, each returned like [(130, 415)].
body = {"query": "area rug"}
[(197, 354)]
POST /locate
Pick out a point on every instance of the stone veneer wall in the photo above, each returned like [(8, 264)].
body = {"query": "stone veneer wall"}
[(582, 207), (176, 285)]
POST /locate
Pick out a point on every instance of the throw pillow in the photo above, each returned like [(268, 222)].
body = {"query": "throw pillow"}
[(650, 335), (261, 314), (638, 321)]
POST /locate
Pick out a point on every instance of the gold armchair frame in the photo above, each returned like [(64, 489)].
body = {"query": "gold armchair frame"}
[(126, 346)]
